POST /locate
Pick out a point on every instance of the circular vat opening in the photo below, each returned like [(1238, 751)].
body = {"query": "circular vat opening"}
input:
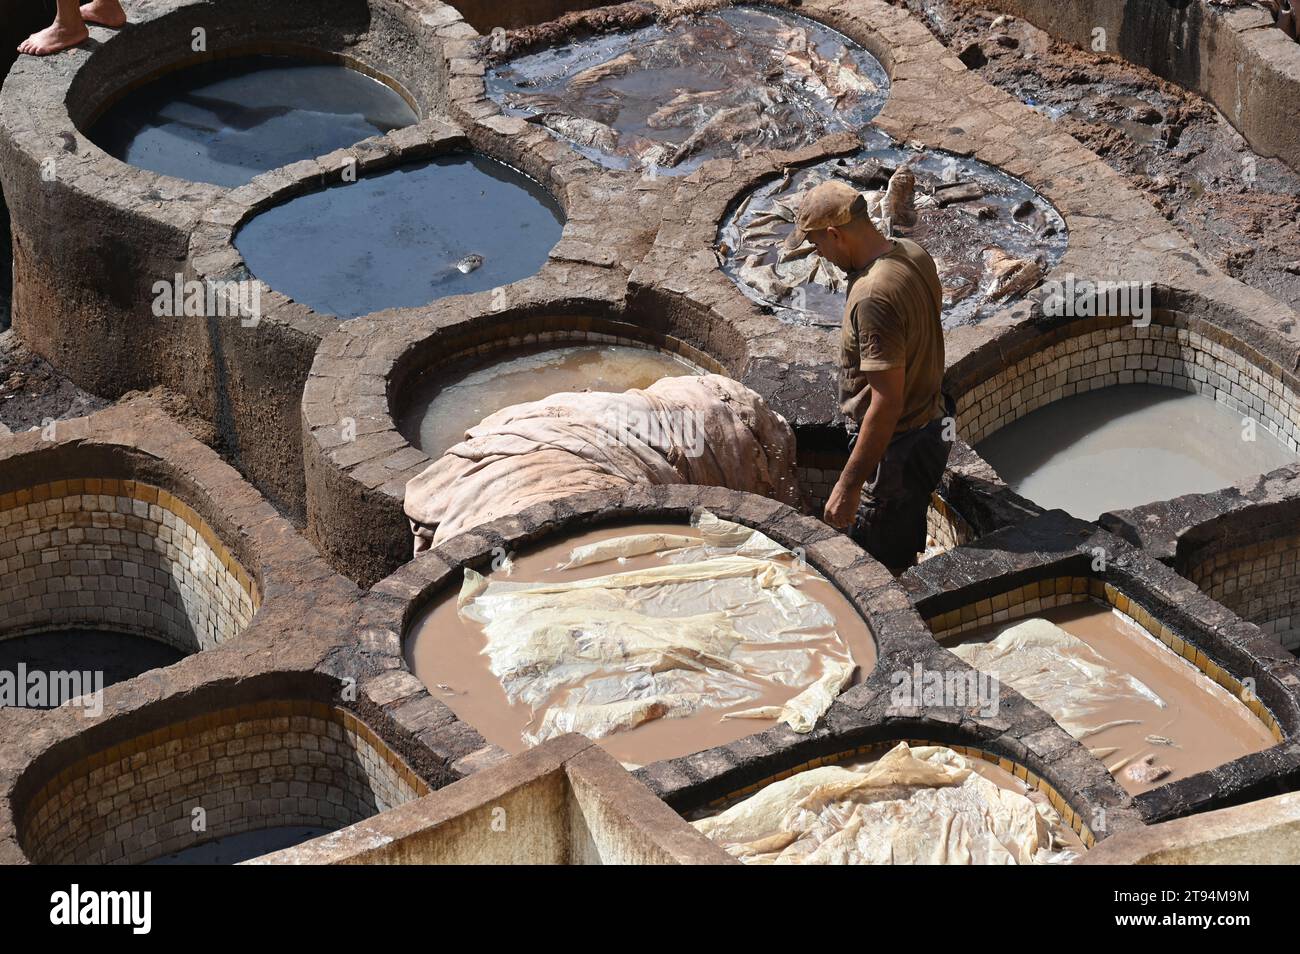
[(899, 802), (1250, 562), (226, 120), (656, 639), (1144, 701), (219, 787), (453, 225), (669, 95), (1103, 417), (991, 236), (435, 406), (106, 578)]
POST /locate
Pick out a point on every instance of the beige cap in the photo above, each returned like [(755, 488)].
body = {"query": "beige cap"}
[(826, 205)]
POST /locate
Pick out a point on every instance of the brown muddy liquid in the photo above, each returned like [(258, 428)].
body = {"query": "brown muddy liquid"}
[(441, 411), (1208, 725), (445, 653)]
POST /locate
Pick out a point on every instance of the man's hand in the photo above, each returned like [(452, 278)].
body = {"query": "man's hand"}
[(842, 505)]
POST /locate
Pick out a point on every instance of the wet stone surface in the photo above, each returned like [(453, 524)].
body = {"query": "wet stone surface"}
[(451, 226), (117, 656), (447, 402), (227, 121), (991, 236), (670, 95), (1241, 209)]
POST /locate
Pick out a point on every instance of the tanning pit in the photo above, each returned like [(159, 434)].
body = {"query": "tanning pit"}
[(668, 95), (1087, 654), (1184, 705), (226, 120), (899, 802), (1098, 414), (992, 237), (442, 405), (655, 639), (452, 225), (266, 775)]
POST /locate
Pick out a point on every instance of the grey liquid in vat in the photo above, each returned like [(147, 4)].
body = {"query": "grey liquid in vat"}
[(1127, 445), (400, 238), (232, 849), (226, 121)]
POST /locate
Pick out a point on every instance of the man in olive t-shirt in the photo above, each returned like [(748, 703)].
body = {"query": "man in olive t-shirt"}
[(891, 376)]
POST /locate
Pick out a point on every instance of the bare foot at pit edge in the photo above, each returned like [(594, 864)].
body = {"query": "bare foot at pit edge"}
[(107, 13), (53, 38)]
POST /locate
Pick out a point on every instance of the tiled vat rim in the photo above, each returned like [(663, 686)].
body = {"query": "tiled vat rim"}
[(1047, 561), (1175, 350), (873, 750), (355, 487), (344, 772), (1240, 545), (393, 602), (81, 529)]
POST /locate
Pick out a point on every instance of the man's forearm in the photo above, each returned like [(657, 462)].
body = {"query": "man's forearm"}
[(873, 439)]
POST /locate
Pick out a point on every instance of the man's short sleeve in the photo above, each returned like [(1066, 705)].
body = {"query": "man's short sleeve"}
[(882, 344)]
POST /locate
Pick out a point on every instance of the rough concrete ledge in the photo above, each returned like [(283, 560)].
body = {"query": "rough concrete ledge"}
[(1056, 544), (565, 802), (1234, 57), (358, 463), (392, 603), (1266, 832)]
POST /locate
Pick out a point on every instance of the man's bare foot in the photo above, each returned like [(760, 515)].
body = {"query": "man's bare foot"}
[(107, 13), (53, 38)]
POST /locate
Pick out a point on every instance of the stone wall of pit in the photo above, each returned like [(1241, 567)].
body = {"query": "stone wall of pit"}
[(1233, 56), (1176, 350), (267, 764), (120, 555)]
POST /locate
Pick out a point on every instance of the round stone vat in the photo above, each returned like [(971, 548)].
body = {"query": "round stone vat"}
[(668, 94), (125, 545), (453, 225), (226, 120), (367, 434), (914, 824), (220, 786), (646, 712), (637, 668), (992, 237), (445, 402), (1094, 415), (1169, 694), (1151, 707)]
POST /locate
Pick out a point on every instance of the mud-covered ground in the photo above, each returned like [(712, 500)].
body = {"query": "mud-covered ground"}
[(32, 392), (1241, 210)]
